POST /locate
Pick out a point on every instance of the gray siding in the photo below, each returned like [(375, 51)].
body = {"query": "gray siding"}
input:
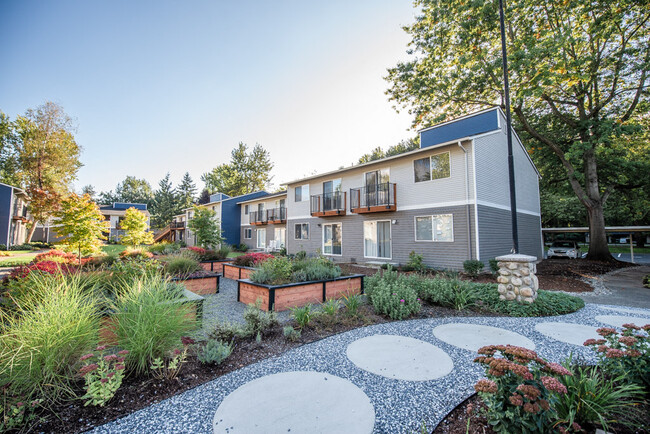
[(436, 254), (495, 233)]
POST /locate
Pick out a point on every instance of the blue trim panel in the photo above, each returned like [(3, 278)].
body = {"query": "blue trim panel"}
[(231, 216), (470, 126), (6, 194)]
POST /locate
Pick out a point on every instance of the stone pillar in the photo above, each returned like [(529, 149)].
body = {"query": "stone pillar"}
[(517, 280)]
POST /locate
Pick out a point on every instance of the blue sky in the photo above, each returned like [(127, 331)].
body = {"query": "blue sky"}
[(158, 86)]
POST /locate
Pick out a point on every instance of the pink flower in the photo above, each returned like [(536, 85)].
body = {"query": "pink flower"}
[(86, 357)]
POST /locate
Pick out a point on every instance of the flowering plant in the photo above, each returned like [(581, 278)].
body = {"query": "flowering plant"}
[(626, 353), (520, 388), (103, 375)]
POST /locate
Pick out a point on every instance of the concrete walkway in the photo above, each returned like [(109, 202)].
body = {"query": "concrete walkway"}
[(351, 382), (625, 288)]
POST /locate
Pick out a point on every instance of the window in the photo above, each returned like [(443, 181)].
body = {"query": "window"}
[(245, 209), (248, 233), (302, 193), (301, 231), (261, 238), (434, 228), (376, 239), (433, 167), (332, 242)]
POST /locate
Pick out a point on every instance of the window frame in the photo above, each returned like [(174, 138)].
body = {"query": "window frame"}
[(323, 239), (250, 232), (390, 239), (301, 225), (431, 178), (433, 229)]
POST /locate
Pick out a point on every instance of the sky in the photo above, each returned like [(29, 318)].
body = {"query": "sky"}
[(173, 86)]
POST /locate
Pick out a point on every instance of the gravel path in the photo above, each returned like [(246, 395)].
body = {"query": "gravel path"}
[(399, 405)]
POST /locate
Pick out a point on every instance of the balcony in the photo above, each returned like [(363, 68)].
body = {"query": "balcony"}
[(276, 215), (373, 198), (177, 225), (256, 218), (328, 204)]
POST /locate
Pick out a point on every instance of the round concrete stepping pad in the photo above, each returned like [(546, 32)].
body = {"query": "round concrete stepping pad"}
[(619, 320), (628, 311), (570, 333), (296, 402), (400, 358), (474, 336)]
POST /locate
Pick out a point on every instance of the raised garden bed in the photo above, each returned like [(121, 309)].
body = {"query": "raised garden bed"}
[(215, 266), (201, 282), (236, 272), (107, 329), (283, 297)]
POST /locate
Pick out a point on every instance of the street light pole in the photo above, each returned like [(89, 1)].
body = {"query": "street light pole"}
[(511, 163)]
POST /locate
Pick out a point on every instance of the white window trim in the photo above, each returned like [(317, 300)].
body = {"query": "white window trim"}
[(433, 232), (323, 239), (308, 231), (364, 241), (248, 229), (430, 156)]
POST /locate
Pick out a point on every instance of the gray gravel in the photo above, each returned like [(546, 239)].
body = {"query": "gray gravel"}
[(400, 406)]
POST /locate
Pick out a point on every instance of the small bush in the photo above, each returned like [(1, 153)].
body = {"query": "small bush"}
[(180, 266), (149, 321), (291, 334), (302, 315), (214, 352), (472, 267)]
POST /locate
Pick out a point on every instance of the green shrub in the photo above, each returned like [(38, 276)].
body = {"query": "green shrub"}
[(214, 352), (472, 267), (494, 266), (291, 334), (393, 297), (41, 342), (181, 265), (149, 320), (592, 399), (302, 315)]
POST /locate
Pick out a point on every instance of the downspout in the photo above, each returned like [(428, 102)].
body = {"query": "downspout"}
[(469, 234)]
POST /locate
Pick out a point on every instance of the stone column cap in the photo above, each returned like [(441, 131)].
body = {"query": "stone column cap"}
[(516, 258)]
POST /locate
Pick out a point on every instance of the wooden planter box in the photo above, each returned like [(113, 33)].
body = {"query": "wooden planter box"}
[(215, 266), (107, 326), (283, 297), (203, 285), (237, 272)]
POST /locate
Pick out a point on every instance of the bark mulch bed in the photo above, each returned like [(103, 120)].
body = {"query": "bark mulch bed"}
[(138, 392)]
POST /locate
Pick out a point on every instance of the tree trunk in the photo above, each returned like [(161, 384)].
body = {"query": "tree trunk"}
[(598, 248)]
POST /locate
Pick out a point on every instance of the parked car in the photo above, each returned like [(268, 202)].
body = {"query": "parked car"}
[(564, 249)]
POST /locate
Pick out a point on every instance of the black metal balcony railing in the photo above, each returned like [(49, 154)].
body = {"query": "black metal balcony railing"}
[(328, 203), (257, 217), (382, 195), (177, 225), (276, 215)]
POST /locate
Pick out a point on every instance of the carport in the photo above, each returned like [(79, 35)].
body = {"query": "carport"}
[(608, 229)]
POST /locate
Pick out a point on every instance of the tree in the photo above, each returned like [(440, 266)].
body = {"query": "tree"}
[(186, 192), (165, 203), (48, 158), (134, 190), (206, 227), (82, 224), (402, 147), (135, 226), (246, 172), (579, 77), (204, 197)]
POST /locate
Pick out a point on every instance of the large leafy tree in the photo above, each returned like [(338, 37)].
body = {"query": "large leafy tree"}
[(82, 224), (206, 227), (165, 203), (48, 158), (186, 192), (247, 172), (579, 77), (134, 224)]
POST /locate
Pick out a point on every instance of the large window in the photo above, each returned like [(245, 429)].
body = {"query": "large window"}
[(302, 193), (376, 239), (301, 231), (332, 243), (434, 228), (433, 167), (261, 238), (248, 233)]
